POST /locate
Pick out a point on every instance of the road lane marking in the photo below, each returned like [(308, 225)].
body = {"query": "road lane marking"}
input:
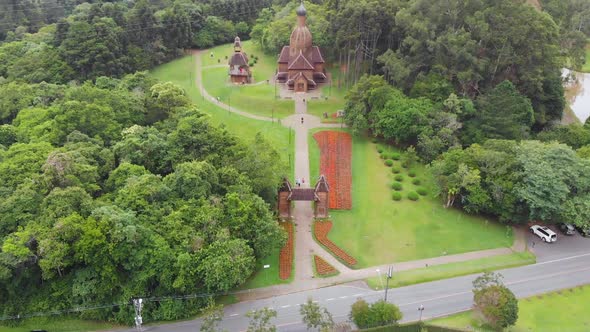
[(331, 299), (359, 294), (286, 306), (343, 297), (233, 315)]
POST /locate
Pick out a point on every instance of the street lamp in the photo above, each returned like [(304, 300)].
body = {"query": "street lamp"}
[(389, 275), (421, 309)]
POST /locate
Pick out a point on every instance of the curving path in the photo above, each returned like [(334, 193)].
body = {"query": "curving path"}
[(305, 245)]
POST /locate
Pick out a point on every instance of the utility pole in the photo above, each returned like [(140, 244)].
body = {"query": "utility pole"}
[(138, 304), (389, 275)]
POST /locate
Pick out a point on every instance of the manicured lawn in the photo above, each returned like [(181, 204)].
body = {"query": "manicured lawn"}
[(256, 99), (566, 310), (444, 271), (253, 98), (263, 69), (181, 72), (378, 230), (61, 323), (586, 67), (335, 101), (267, 277)]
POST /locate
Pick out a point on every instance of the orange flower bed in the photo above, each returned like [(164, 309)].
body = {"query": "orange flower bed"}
[(335, 164), (286, 255), (322, 267), (321, 230)]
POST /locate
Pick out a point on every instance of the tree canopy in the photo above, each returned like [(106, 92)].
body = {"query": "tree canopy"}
[(121, 188)]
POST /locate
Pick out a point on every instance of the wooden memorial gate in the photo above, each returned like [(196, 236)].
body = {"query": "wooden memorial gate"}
[(318, 194)]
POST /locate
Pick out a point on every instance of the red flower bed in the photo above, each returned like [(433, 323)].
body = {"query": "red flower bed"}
[(322, 267), (321, 230), (335, 164), (286, 255)]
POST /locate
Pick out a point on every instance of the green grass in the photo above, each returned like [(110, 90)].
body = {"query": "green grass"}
[(181, 72), (450, 270), (586, 67), (267, 277), (257, 99), (264, 69), (63, 324), (335, 101), (566, 310), (378, 230)]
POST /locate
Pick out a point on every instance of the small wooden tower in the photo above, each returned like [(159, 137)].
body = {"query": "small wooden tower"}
[(284, 204), (321, 192), (239, 71)]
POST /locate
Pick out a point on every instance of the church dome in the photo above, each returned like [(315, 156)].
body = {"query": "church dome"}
[(300, 40), (301, 10)]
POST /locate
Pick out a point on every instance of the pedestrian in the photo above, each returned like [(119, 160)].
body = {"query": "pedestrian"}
[(302, 180), (533, 244), (301, 120), (297, 182)]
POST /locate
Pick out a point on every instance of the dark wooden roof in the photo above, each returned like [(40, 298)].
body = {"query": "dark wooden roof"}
[(322, 185), (300, 63), (316, 55), (285, 186), (303, 194), (238, 59), (284, 56)]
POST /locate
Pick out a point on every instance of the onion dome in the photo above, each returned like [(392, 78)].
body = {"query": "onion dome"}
[(301, 10)]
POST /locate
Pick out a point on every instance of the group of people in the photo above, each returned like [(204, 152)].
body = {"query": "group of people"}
[(299, 182)]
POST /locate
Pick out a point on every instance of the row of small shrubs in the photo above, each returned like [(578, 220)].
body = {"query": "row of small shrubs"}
[(412, 195), (397, 186), (390, 155)]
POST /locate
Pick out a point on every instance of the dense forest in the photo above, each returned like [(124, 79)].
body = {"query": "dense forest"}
[(113, 185), (121, 187)]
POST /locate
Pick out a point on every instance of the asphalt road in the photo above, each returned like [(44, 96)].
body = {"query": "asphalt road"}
[(565, 246), (439, 298)]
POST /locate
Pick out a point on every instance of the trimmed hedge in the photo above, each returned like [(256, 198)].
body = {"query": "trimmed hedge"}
[(395, 156), (389, 163), (380, 150), (396, 186), (396, 196), (399, 178), (412, 195), (395, 169), (422, 191), (412, 173), (416, 181)]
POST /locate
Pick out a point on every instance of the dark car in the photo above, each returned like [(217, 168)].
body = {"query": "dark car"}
[(584, 231), (567, 229)]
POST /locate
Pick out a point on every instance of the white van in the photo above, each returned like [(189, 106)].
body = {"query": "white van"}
[(544, 233)]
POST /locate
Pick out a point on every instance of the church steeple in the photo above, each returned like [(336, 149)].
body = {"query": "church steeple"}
[(237, 45), (301, 15)]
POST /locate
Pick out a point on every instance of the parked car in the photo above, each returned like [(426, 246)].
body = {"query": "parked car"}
[(567, 229), (584, 231), (544, 233)]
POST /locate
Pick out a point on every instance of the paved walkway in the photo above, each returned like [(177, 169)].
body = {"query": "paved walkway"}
[(305, 245)]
